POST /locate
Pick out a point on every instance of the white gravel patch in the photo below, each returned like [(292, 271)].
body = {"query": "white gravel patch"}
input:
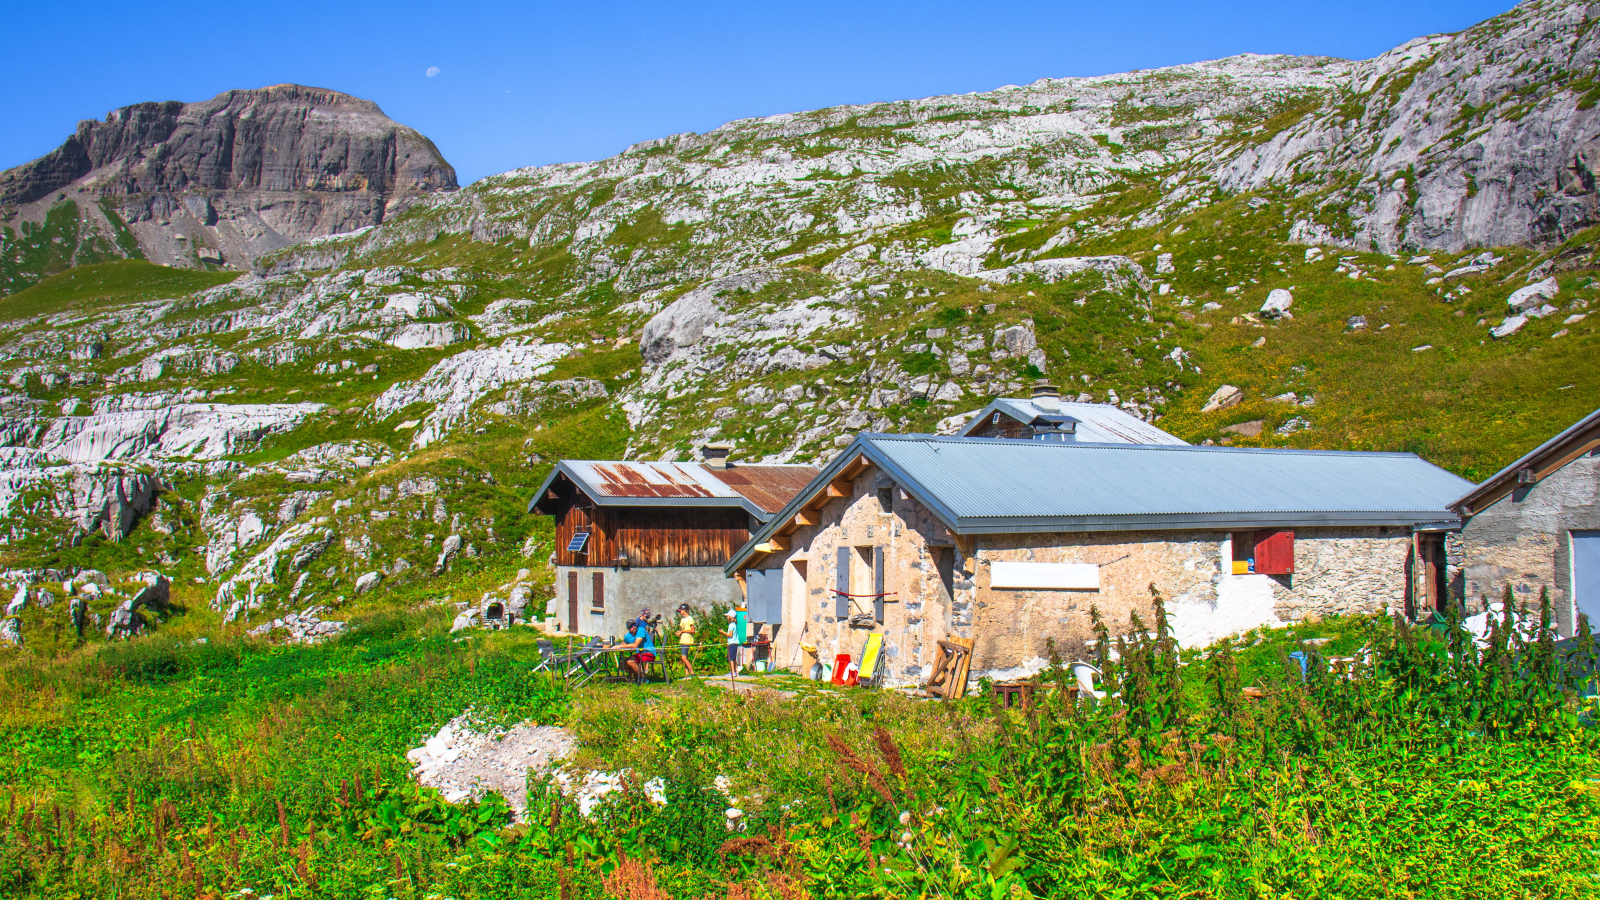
[(465, 764)]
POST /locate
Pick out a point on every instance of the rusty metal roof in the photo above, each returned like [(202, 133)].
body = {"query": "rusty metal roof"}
[(760, 489), (769, 487)]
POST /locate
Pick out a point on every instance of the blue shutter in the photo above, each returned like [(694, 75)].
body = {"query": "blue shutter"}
[(841, 606)]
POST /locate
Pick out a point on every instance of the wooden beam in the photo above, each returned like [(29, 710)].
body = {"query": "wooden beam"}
[(808, 517), (839, 488), (854, 468), (968, 545), (779, 541)]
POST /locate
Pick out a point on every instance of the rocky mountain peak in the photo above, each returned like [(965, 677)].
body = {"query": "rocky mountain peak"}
[(227, 179)]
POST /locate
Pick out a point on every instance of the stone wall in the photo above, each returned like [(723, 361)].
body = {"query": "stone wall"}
[(1337, 571), (1348, 570), (627, 590), (1523, 540)]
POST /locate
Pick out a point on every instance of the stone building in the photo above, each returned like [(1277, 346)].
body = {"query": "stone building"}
[(1011, 542), (653, 534), (1534, 524)]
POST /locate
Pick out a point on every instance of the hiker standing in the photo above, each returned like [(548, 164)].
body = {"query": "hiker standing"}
[(685, 636), (732, 634)]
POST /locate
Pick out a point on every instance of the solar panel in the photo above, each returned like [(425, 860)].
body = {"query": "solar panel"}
[(578, 541)]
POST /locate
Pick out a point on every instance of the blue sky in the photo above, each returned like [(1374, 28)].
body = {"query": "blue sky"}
[(533, 83)]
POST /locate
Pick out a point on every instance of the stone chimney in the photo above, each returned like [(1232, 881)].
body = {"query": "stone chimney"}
[(1046, 397), (716, 453)]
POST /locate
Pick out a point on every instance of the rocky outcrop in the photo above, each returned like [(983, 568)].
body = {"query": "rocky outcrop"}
[(127, 620), (306, 627), (1487, 137), (244, 173), (458, 382)]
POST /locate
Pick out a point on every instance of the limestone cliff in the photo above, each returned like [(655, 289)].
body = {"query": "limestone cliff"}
[(241, 174)]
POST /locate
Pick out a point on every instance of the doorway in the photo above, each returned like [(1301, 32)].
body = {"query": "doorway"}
[(572, 602), (1431, 569)]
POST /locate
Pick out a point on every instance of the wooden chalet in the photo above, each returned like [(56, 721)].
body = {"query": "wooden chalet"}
[(631, 534)]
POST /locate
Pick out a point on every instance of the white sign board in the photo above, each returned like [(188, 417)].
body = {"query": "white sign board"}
[(1044, 576)]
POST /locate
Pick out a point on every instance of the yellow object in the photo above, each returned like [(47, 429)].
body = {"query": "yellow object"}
[(1241, 567), (869, 656)]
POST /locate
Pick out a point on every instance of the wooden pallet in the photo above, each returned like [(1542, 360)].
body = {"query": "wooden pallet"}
[(952, 661)]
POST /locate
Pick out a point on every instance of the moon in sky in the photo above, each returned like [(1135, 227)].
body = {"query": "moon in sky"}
[(432, 71)]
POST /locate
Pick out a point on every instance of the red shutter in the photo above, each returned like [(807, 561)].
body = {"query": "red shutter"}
[(1275, 553)]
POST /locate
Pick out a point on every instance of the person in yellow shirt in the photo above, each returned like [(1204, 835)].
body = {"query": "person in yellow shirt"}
[(685, 636)]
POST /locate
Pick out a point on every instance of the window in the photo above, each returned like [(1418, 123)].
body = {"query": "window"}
[(886, 499), (858, 581), (599, 601), (1263, 552)]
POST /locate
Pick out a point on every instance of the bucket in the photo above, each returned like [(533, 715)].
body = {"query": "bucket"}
[(852, 674), (841, 664)]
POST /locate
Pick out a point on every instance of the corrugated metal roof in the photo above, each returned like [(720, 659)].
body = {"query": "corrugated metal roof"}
[(1098, 423), (645, 479), (985, 481), (760, 489), (768, 487), (985, 486)]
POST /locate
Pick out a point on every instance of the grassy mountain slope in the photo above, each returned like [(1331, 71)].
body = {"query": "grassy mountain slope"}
[(788, 281)]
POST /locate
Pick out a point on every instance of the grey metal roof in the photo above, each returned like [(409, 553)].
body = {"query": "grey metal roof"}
[(1099, 423), (985, 486)]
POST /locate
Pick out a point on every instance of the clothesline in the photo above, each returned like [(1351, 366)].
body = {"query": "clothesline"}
[(884, 594)]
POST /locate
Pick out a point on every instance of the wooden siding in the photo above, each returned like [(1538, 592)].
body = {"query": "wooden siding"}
[(648, 536)]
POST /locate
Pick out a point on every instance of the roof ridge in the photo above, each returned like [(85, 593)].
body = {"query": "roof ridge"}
[(1107, 445)]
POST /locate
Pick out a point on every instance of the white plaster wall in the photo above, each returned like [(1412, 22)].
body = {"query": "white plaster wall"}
[(1241, 603)]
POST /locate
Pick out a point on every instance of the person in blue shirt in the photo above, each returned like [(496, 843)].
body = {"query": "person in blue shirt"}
[(639, 638)]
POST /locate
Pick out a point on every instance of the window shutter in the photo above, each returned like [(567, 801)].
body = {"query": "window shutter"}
[(774, 586), (764, 595), (753, 599), (877, 584), (1275, 553), (599, 590), (841, 580)]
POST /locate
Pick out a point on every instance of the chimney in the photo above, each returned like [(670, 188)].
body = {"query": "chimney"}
[(1045, 397), (716, 453)]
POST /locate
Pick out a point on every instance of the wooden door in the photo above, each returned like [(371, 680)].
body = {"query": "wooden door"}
[(572, 603), (1430, 553)]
